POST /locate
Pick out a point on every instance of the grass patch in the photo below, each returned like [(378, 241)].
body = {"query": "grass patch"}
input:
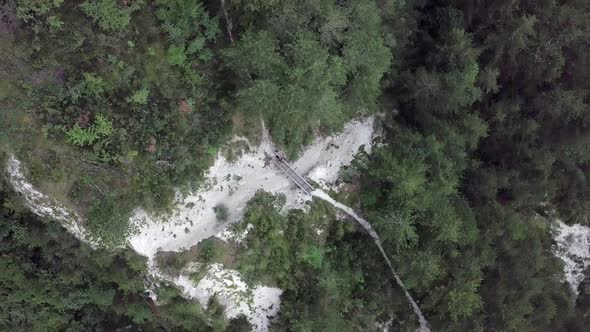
[(108, 221)]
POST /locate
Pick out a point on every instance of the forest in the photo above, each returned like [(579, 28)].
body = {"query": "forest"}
[(484, 108)]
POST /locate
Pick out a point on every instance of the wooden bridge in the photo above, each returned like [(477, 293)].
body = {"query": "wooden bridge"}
[(294, 176)]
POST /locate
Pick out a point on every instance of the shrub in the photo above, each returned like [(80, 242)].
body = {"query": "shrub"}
[(172, 262), (108, 14), (97, 136), (221, 212), (207, 250), (101, 129), (140, 97)]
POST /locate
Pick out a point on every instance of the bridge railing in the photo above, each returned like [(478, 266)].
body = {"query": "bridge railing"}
[(294, 176)]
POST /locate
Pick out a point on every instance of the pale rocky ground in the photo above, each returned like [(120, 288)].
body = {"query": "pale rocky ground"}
[(573, 247)]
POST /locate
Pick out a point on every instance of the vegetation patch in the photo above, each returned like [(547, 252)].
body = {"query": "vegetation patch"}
[(108, 221), (221, 212)]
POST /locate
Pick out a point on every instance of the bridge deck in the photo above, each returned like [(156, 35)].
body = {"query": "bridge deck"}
[(298, 179)]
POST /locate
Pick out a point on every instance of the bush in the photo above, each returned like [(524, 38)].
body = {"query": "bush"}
[(101, 129), (140, 97), (207, 250), (172, 262), (221, 212), (108, 14)]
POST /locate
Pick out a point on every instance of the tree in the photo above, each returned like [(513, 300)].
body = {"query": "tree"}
[(30, 10), (319, 61), (306, 89), (188, 24), (108, 14), (365, 55)]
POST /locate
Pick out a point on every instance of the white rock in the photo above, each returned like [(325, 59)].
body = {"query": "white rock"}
[(573, 247)]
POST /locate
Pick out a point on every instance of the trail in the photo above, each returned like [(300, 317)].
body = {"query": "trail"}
[(367, 227)]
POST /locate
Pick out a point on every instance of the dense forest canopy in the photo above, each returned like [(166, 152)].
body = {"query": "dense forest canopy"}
[(485, 111)]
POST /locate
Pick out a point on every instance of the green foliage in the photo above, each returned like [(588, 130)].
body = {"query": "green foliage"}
[(189, 26), (55, 23), (140, 97), (81, 137), (108, 13), (330, 281), (176, 56), (468, 160), (29, 10), (307, 90), (263, 214), (84, 72), (108, 221), (101, 129), (311, 73), (257, 5), (102, 126), (206, 250), (221, 212), (315, 257), (98, 135), (190, 29), (92, 86), (365, 54)]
